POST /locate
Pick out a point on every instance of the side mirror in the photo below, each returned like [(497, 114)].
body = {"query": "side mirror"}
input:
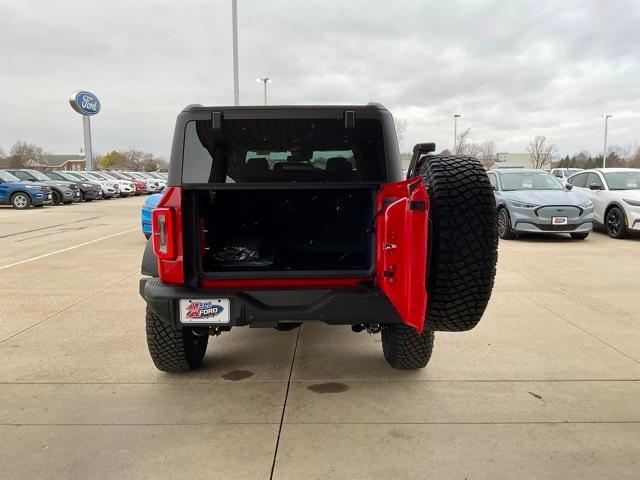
[(594, 186), (568, 186), (32, 180)]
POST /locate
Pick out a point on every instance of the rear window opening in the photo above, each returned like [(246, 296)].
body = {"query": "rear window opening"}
[(282, 151), (285, 232)]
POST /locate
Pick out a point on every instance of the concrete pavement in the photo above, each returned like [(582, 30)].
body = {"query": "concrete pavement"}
[(545, 387)]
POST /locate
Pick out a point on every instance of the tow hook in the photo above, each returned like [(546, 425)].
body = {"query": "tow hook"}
[(216, 331), (371, 329)]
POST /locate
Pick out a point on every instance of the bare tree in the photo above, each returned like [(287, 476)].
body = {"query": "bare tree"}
[(401, 125), (487, 153), (635, 161), (135, 159), (465, 147), (23, 154), (541, 152)]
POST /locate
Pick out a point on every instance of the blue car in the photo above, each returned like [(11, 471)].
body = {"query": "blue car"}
[(145, 215), (21, 194)]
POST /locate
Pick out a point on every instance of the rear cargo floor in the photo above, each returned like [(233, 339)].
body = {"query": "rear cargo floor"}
[(286, 230)]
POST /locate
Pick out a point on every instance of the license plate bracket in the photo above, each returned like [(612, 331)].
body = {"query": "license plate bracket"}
[(205, 311), (559, 220)]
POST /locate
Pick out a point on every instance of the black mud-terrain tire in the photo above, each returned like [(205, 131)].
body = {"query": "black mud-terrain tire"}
[(174, 348), (404, 348), (579, 235), (463, 240), (20, 200), (616, 223), (505, 229)]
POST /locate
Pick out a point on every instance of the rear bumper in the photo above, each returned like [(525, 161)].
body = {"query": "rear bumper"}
[(268, 307)]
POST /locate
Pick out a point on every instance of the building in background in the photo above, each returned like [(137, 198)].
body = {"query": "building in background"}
[(61, 162), (513, 160)]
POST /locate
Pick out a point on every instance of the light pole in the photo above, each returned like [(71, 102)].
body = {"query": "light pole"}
[(264, 81), (604, 155), (455, 131), (234, 20)]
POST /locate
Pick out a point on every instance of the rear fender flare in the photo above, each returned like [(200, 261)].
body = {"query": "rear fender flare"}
[(149, 260)]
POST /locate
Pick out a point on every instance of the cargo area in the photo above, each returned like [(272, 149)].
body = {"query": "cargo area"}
[(276, 232)]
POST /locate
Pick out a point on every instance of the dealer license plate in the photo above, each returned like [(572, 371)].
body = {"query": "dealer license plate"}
[(205, 311), (559, 220)]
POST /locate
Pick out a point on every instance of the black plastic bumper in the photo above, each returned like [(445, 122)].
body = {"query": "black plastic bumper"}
[(268, 307), (92, 194)]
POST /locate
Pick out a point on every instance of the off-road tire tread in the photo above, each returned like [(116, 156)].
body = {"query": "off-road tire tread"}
[(169, 346), (406, 349), (464, 241)]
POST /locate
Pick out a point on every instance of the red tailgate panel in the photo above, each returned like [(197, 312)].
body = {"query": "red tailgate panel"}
[(401, 248)]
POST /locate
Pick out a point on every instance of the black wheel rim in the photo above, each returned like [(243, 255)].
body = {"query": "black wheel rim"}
[(614, 222), (502, 223)]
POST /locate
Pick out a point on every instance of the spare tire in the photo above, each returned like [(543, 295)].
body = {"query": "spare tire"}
[(463, 241)]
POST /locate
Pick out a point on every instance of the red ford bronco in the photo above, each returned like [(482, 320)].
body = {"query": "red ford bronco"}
[(276, 216)]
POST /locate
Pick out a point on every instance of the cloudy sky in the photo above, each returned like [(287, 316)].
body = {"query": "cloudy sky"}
[(513, 69)]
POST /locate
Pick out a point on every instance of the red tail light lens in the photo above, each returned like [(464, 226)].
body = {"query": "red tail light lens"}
[(167, 236), (163, 233)]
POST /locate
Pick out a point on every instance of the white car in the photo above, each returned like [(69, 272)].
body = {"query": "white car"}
[(153, 185), (126, 187), (615, 193), (110, 188), (563, 173)]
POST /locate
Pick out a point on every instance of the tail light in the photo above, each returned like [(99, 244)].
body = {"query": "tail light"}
[(167, 236), (163, 236)]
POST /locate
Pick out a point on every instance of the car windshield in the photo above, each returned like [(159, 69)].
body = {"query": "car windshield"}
[(623, 180), (79, 176), (7, 177), (530, 181), (39, 175), (67, 176), (96, 175)]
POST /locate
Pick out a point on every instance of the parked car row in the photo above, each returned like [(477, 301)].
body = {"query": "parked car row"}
[(567, 201), (24, 188)]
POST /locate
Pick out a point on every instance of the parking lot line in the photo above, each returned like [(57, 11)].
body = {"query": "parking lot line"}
[(32, 259)]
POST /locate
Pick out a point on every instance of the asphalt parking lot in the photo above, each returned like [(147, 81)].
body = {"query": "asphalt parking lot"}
[(546, 387)]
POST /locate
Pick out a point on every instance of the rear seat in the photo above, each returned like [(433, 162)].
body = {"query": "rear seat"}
[(339, 169), (256, 170)]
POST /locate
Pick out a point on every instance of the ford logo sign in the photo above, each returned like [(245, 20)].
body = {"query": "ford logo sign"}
[(85, 103)]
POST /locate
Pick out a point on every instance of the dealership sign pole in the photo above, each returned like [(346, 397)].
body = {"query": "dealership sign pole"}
[(86, 104)]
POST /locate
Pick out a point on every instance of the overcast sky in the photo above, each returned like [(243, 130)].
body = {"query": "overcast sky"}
[(513, 69)]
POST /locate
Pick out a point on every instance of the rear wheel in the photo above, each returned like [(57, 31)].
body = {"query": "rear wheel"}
[(20, 201), (175, 348), (404, 348), (615, 223), (463, 241), (579, 236)]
